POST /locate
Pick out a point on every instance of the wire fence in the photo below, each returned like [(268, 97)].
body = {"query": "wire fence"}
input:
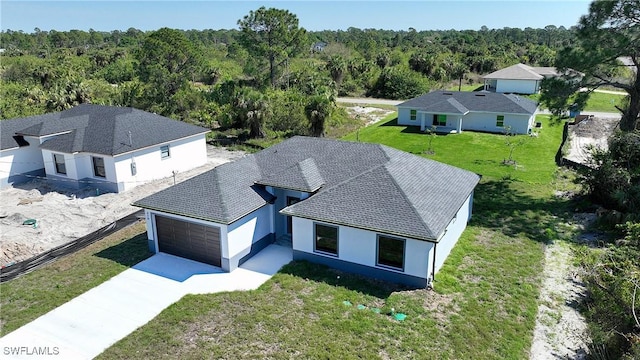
[(13, 271)]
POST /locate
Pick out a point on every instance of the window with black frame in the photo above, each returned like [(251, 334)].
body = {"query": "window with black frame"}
[(390, 252), (326, 239)]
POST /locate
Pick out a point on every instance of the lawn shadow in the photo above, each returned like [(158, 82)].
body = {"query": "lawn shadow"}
[(392, 122), (321, 273), (499, 205), (128, 252)]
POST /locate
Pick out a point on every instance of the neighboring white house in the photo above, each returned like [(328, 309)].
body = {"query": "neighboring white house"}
[(518, 78), (108, 148), (455, 111), (363, 208)]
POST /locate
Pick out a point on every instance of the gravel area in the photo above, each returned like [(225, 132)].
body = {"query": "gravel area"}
[(63, 215), (593, 132)]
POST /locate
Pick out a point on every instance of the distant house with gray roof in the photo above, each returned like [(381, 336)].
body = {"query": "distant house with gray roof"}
[(105, 147), (456, 111), (518, 79), (363, 208)]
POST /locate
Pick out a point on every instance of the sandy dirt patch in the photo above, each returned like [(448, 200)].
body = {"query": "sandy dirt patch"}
[(63, 215), (593, 132), (368, 115), (561, 331)]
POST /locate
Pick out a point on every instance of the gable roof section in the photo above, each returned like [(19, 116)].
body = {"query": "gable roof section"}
[(97, 129), (462, 102), (366, 186), (302, 176)]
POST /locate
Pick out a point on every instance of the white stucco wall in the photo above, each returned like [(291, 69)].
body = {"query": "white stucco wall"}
[(404, 116), (517, 86), (20, 160), (453, 232), (477, 121), (359, 246), (241, 234), (80, 167), (185, 154)]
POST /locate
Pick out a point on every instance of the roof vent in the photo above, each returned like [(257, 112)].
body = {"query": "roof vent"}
[(447, 93), (480, 95)]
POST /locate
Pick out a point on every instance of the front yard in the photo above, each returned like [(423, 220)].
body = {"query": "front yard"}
[(485, 299), (484, 304)]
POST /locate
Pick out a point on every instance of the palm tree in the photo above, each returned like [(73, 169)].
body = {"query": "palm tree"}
[(318, 111)]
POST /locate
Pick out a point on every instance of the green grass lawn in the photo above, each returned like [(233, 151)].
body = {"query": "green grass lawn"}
[(602, 102), (481, 153), (34, 294), (599, 102), (485, 299)]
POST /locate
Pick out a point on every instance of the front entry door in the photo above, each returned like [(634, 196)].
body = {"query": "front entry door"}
[(290, 201)]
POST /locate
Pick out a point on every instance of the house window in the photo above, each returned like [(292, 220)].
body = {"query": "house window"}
[(98, 167), (439, 120), (61, 168), (414, 115), (500, 121), (326, 239), (390, 252), (164, 151)]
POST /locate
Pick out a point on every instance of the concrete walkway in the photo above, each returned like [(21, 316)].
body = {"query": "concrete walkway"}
[(87, 325)]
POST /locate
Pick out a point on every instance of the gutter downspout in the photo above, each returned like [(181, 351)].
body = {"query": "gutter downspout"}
[(433, 267)]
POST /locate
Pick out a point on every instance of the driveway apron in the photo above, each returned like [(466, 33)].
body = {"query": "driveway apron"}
[(88, 324)]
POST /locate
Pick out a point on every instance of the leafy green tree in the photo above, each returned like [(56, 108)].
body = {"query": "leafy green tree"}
[(399, 83), (274, 35), (167, 61), (609, 31)]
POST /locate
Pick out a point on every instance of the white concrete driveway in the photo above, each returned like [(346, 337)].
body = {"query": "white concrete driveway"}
[(87, 325)]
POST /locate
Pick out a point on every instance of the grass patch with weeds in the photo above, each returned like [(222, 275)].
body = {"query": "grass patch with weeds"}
[(34, 294)]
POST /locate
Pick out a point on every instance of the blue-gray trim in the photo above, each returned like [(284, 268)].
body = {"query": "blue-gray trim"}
[(372, 272), (16, 179), (246, 254)]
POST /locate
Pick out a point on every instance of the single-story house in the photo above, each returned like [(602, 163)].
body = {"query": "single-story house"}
[(518, 78), (455, 111), (363, 208), (105, 147)]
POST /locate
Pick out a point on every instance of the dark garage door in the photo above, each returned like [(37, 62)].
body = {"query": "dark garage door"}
[(188, 240)]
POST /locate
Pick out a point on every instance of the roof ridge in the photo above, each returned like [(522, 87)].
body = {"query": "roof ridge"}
[(406, 199)]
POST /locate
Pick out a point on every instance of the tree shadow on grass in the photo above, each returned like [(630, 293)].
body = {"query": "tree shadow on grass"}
[(500, 205), (321, 273), (128, 252)]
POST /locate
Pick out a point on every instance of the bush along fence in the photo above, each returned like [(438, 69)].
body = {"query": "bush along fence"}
[(12, 271)]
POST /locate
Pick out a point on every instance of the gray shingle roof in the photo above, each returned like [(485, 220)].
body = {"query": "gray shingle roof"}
[(461, 102), (515, 72), (97, 129), (302, 176), (366, 186)]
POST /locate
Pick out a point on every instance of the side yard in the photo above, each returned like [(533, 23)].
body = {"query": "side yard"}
[(34, 294)]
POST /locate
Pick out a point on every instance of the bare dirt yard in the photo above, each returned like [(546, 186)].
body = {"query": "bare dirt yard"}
[(592, 132), (369, 115), (63, 215)]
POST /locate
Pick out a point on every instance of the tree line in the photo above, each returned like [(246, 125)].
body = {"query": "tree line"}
[(269, 74)]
